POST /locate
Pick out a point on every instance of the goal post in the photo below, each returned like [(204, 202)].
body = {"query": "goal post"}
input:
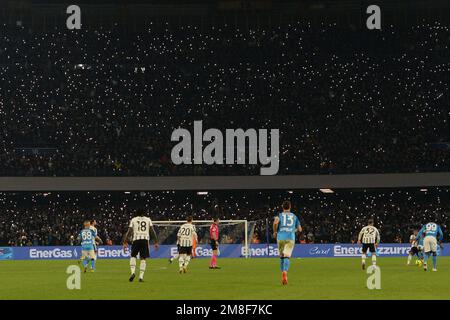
[(230, 230)]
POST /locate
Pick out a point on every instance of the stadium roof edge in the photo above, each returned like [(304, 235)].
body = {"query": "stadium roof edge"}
[(343, 181)]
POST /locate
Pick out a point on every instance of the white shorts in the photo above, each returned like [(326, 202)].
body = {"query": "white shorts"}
[(88, 254), (429, 244), (285, 247)]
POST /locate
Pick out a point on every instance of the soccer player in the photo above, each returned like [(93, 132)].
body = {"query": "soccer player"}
[(431, 233), (185, 236), (370, 238), (176, 255), (93, 227), (141, 227), (88, 237), (214, 238), (194, 245), (415, 248), (285, 225)]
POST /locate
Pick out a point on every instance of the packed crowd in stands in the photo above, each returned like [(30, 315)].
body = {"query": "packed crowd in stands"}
[(56, 218), (104, 103)]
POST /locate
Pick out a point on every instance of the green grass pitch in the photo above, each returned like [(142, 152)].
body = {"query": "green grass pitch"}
[(257, 278)]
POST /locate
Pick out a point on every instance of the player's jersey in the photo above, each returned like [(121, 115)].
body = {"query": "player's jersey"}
[(419, 242), (95, 231), (214, 231), (413, 240), (369, 235), (431, 229), (141, 228), (87, 237), (186, 235), (287, 225)]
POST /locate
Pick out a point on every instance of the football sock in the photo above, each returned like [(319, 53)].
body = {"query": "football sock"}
[(133, 265), (409, 258), (181, 260), (142, 269), (92, 264), (287, 263), (426, 258), (434, 261), (282, 264), (85, 262), (363, 257), (374, 259), (187, 260), (213, 261)]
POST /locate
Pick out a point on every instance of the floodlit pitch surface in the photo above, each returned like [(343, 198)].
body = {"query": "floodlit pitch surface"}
[(257, 278)]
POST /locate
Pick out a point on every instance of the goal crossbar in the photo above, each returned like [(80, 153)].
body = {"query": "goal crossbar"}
[(179, 222)]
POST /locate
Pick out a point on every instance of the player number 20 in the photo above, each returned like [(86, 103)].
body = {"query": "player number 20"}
[(185, 232)]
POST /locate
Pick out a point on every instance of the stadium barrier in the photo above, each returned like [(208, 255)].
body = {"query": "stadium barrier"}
[(205, 183), (204, 251)]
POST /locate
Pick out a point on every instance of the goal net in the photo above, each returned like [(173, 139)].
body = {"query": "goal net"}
[(230, 232)]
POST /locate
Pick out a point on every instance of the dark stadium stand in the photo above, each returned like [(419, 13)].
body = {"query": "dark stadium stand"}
[(52, 218), (104, 100), (91, 103)]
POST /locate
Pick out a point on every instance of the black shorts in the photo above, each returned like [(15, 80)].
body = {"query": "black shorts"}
[(414, 250), (370, 246), (141, 247), (214, 244), (185, 250)]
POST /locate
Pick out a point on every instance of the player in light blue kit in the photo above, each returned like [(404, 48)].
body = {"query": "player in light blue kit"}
[(285, 225), (88, 237), (431, 233)]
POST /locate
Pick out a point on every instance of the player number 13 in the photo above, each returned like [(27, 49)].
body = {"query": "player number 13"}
[(288, 220)]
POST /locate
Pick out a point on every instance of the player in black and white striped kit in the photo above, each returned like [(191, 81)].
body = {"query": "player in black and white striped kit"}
[(185, 237), (370, 238), (141, 228)]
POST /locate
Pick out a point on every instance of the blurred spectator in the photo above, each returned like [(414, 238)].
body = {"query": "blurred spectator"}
[(255, 238), (101, 103), (30, 218)]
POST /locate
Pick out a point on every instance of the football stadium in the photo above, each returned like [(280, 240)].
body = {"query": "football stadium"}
[(224, 150)]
